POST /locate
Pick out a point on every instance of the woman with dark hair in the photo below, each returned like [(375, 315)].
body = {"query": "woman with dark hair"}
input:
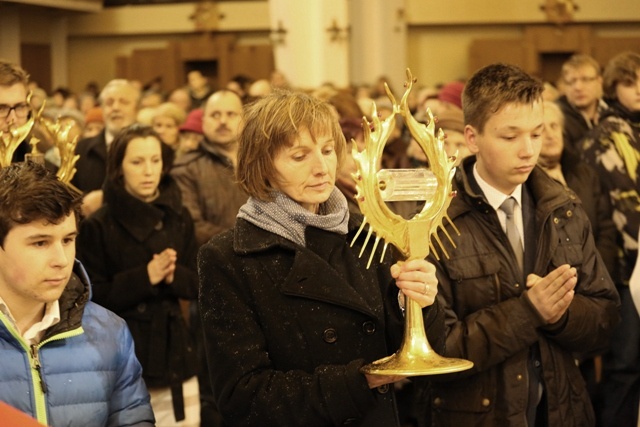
[(140, 252), (291, 313)]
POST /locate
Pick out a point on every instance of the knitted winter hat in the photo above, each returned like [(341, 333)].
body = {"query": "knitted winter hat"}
[(193, 122), (93, 114), (450, 119), (452, 93)]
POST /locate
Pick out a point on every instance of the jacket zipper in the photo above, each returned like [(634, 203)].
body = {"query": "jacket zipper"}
[(39, 393), (38, 385), (36, 365)]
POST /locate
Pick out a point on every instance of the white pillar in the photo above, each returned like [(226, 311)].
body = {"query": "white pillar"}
[(378, 42), (9, 33), (308, 54)]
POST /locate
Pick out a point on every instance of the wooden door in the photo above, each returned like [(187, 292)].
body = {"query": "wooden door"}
[(36, 60)]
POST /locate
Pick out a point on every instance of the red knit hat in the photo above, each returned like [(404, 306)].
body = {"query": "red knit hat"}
[(93, 114), (452, 93), (193, 122)]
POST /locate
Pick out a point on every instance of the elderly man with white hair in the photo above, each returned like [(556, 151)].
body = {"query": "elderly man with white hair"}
[(119, 100)]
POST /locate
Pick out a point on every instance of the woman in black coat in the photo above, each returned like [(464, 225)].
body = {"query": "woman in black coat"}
[(140, 252), (290, 311)]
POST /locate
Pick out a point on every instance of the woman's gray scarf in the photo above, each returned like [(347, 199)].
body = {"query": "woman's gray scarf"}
[(287, 218)]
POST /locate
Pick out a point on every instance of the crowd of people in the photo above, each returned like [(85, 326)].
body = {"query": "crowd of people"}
[(203, 267)]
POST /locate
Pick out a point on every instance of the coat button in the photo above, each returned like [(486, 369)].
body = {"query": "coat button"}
[(437, 402), (569, 214), (330, 335), (519, 377), (556, 220), (486, 402), (158, 226), (369, 327), (517, 285), (383, 389)]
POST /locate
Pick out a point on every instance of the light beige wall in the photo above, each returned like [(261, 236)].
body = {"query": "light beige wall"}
[(94, 58), (95, 40), (439, 33), (439, 54), (169, 19), (429, 12)]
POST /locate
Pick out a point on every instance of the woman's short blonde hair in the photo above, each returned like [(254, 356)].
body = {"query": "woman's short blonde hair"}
[(273, 123), (171, 110)]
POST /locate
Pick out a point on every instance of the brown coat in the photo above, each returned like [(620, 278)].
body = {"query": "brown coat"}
[(491, 321), (209, 191)]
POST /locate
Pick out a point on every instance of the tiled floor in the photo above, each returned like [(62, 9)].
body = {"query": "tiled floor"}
[(163, 408)]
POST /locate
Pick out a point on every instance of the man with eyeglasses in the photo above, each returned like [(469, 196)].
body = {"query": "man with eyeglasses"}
[(582, 102), (14, 110)]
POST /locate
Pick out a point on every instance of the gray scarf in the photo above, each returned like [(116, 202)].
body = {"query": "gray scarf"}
[(285, 217)]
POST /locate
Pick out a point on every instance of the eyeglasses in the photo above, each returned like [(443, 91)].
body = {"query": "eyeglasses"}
[(21, 110), (583, 80)]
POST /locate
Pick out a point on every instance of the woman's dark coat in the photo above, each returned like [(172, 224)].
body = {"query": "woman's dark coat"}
[(585, 182), (115, 245), (287, 328)]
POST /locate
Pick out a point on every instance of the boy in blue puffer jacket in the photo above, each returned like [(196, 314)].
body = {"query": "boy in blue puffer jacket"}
[(63, 359)]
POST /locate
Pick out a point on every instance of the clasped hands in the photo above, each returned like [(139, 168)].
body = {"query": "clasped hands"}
[(552, 294), (162, 267)]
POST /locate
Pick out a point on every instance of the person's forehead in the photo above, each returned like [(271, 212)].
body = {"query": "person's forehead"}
[(164, 118), (42, 227), (581, 69), (119, 92), (179, 94), (224, 102), (552, 114), (512, 112), (11, 92)]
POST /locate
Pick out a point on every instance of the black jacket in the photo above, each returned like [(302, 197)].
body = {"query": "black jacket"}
[(585, 182), (576, 126), (287, 328), (115, 245), (91, 167)]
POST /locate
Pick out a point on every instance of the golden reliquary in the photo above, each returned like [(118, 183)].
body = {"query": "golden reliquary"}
[(412, 238), (57, 132)]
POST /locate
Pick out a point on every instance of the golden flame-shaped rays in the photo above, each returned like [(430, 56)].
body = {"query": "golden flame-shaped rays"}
[(9, 141), (59, 133), (56, 131), (414, 237), (381, 220)]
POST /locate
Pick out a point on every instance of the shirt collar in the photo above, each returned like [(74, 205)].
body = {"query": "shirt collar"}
[(36, 331), (494, 196)]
